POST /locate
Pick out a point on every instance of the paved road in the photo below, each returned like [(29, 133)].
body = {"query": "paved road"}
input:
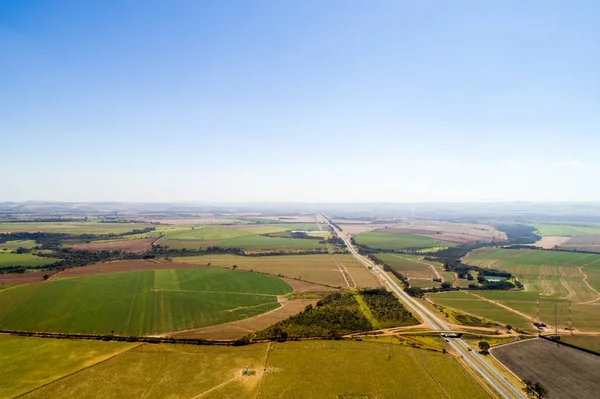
[(504, 388)]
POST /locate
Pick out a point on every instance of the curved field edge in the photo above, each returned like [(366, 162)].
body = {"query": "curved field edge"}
[(140, 303)]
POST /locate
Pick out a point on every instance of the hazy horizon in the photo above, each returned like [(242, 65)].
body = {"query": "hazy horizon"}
[(308, 102)]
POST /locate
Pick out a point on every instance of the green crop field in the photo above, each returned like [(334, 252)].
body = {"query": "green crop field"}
[(28, 363), (590, 342), (142, 371), (549, 273), (293, 370), (544, 229), (466, 303), (29, 244), (364, 370), (262, 242), (556, 277), (410, 265), (381, 240), (140, 303), (249, 237), (11, 259), (72, 227), (320, 269)]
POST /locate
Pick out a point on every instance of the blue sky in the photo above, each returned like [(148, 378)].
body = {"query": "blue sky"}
[(321, 101)]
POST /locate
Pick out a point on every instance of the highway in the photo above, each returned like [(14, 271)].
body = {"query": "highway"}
[(504, 388)]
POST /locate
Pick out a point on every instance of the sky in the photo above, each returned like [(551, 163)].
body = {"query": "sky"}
[(299, 100)]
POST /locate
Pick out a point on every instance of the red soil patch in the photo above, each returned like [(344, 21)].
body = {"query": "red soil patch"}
[(138, 246), (24, 278), (305, 286), (238, 329)]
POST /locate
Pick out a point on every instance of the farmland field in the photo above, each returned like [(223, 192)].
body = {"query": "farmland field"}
[(590, 243), (590, 342), (239, 236), (137, 246), (544, 229), (11, 259), (563, 371), (262, 242), (72, 227), (293, 370), (321, 269), (29, 244), (558, 278), (363, 370), (139, 303), (409, 265), (550, 273), (466, 303), (381, 240), (27, 363)]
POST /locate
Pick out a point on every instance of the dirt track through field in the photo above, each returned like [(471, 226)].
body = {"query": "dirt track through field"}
[(345, 273), (585, 277), (499, 304)]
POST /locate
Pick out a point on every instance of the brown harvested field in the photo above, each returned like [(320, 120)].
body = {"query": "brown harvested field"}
[(457, 238), (320, 269), (138, 246), (196, 221), (360, 228), (291, 218), (358, 272), (565, 372), (589, 242), (24, 278), (125, 266), (550, 242), (301, 286), (238, 329), (179, 244)]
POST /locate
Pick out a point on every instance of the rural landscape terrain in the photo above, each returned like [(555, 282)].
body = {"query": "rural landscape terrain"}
[(218, 303)]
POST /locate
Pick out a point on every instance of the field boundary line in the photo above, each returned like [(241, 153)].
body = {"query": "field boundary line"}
[(341, 264), (502, 364), (341, 271), (264, 370), (429, 374), (78, 371), (527, 317), (214, 388)]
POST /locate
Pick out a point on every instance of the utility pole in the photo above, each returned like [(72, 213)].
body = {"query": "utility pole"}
[(556, 319), (570, 319)]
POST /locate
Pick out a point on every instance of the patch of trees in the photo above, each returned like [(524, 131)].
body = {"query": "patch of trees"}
[(519, 233), (386, 308), (335, 315), (335, 240), (54, 240), (535, 390), (161, 250)]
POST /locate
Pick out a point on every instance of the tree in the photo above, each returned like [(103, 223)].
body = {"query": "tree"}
[(484, 347), (446, 285), (508, 327), (535, 390), (469, 276), (480, 279), (234, 267)]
